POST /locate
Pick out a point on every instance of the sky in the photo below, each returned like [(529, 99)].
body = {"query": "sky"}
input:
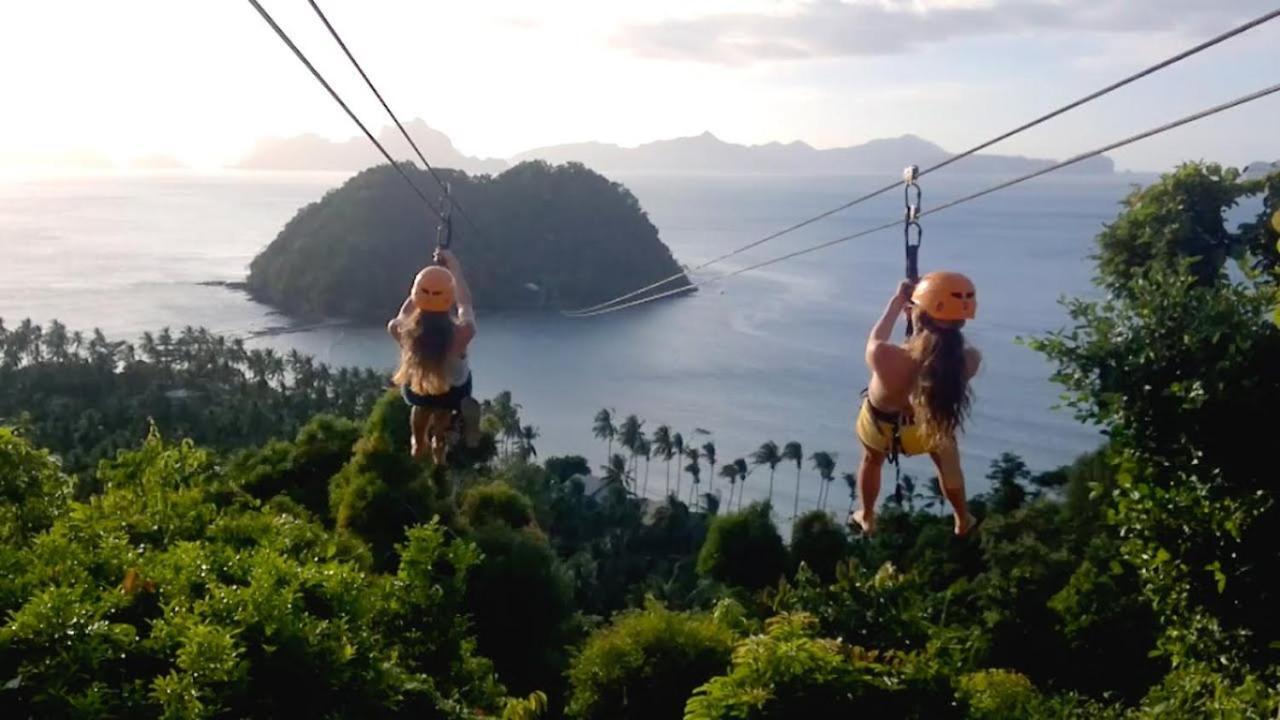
[(202, 80)]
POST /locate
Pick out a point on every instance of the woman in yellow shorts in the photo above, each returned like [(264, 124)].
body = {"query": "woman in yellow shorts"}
[(919, 393)]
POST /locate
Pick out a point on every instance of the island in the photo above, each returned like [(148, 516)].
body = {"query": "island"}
[(544, 237)]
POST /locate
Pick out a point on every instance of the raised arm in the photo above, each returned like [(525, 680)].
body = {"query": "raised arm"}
[(393, 325), (879, 340), (462, 291)]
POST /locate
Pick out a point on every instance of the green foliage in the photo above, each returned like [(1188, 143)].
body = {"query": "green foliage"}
[(300, 470), (744, 549), (818, 543), (1176, 368), (790, 672), (86, 398), (552, 237), (496, 503), (885, 609), (997, 694), (565, 467), (33, 489), (173, 594), (381, 490), (1198, 691), (521, 604), (646, 663), (1176, 220)]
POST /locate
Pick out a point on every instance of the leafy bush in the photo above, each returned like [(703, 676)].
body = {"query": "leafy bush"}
[(645, 664), (744, 549), (997, 694), (788, 672), (521, 604), (885, 609), (301, 469), (496, 503), (174, 594), (1198, 691), (818, 543)]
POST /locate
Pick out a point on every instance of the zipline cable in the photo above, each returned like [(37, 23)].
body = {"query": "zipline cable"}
[(958, 201), (586, 312), (443, 185), (338, 99)]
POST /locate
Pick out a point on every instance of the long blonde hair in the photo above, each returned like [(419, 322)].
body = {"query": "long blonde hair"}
[(941, 397), (425, 344)]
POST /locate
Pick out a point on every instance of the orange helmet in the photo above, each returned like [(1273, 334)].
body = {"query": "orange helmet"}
[(947, 296), (433, 290)]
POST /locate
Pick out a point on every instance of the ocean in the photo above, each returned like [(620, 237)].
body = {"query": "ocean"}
[(770, 355)]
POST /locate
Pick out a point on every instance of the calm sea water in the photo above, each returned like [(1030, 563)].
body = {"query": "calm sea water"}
[(770, 355)]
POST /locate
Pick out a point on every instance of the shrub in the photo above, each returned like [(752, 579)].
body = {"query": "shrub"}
[(646, 663), (819, 543), (496, 502), (173, 594), (997, 694), (788, 672), (744, 549)]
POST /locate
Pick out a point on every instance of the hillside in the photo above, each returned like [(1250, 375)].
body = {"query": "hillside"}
[(706, 153), (550, 237)]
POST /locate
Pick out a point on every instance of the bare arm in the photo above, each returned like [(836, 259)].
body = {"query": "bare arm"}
[(393, 325), (972, 361), (883, 330), (462, 291)]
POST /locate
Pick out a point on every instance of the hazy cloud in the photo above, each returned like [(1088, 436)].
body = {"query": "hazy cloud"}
[(831, 28)]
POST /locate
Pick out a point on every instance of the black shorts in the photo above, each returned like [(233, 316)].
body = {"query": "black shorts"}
[(451, 400)]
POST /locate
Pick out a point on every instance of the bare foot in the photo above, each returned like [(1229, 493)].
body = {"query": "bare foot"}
[(864, 520), (967, 525)]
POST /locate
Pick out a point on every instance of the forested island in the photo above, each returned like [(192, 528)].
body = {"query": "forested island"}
[(557, 237), (267, 548)]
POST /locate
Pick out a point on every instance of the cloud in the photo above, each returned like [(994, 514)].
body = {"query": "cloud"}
[(832, 28)]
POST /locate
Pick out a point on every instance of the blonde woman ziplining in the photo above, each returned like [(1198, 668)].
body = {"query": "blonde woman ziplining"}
[(919, 396), (434, 329)]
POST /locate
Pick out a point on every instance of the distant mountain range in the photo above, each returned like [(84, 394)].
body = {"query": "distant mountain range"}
[(706, 153), (701, 154), (312, 152)]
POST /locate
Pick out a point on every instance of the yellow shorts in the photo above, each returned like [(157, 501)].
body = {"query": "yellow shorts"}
[(877, 434)]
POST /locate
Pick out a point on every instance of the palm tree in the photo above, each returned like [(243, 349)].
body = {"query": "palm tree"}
[(662, 446), (934, 497), (677, 444), (528, 434), (695, 470), (909, 494), (645, 450), (743, 472), (709, 452), (604, 429), (825, 463), (852, 481), (768, 454), (629, 436), (730, 472), (793, 452), (615, 473)]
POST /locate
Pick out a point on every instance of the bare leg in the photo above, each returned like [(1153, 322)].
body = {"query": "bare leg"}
[(418, 421), (868, 489), (947, 461), (437, 430)]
